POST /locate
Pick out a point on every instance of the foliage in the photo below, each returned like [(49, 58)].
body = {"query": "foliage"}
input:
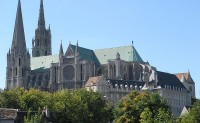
[(11, 98), (36, 118), (70, 106), (18, 98), (83, 106), (193, 115), (194, 100), (34, 99), (146, 116), (142, 107)]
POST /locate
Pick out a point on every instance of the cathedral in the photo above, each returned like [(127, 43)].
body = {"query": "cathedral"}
[(112, 71), (69, 69)]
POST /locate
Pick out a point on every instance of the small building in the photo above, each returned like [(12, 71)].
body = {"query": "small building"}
[(112, 89), (165, 84), (169, 87)]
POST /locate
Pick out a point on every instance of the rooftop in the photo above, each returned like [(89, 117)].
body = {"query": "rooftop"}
[(167, 79), (127, 53)]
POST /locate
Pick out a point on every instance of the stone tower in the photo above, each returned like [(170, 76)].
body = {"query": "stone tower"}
[(41, 44), (18, 57)]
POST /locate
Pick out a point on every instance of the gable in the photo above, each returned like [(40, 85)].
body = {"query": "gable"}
[(167, 79), (127, 53), (70, 51)]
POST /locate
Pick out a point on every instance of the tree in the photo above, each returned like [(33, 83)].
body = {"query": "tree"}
[(18, 98), (146, 116), (81, 106), (70, 106), (193, 115), (2, 100), (142, 107), (164, 116), (11, 98), (36, 118), (33, 99)]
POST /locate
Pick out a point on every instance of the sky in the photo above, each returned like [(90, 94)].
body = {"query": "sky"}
[(166, 33)]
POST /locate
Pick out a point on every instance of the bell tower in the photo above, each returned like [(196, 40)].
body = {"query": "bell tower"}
[(18, 57), (41, 44)]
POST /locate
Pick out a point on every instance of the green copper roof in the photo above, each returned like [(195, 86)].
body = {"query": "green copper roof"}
[(101, 56), (43, 62), (127, 53), (85, 54)]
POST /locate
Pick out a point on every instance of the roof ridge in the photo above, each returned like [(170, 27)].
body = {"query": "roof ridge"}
[(81, 47), (113, 47)]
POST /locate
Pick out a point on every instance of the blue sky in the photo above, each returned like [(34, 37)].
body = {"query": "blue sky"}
[(165, 32)]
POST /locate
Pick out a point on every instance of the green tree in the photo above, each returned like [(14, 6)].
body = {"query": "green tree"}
[(193, 115), (11, 98), (70, 106), (36, 118), (146, 116), (80, 106), (18, 98), (163, 116), (34, 99), (142, 107), (2, 100)]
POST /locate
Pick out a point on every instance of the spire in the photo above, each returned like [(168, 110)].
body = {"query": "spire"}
[(18, 42), (189, 77), (77, 46), (77, 52), (49, 27), (61, 49), (41, 20)]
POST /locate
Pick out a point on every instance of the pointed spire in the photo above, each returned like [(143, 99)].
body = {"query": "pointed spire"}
[(77, 43), (189, 77), (41, 20), (8, 54), (77, 47), (188, 72), (61, 49), (49, 27), (19, 43), (9, 51)]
